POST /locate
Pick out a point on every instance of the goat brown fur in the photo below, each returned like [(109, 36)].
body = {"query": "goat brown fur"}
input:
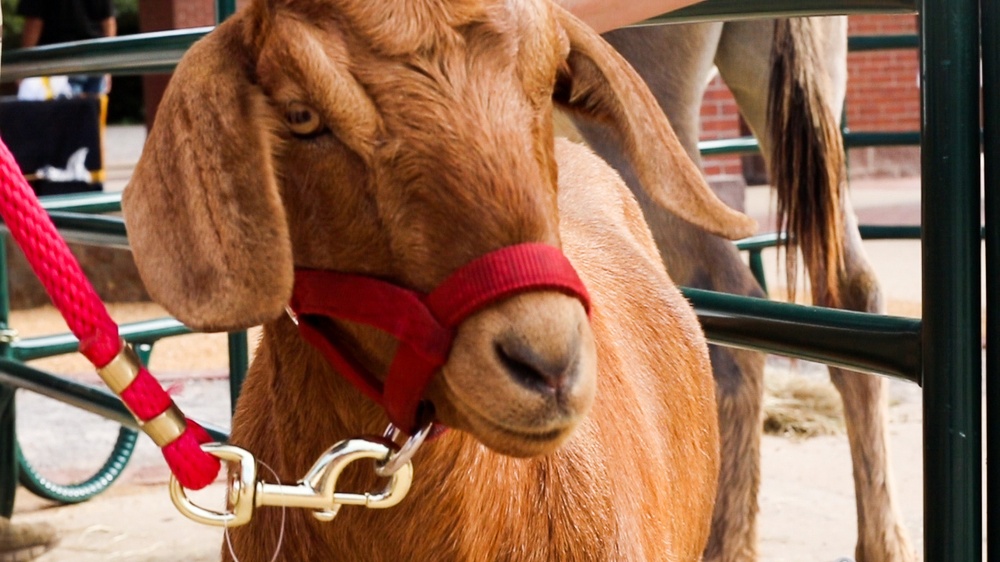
[(402, 140)]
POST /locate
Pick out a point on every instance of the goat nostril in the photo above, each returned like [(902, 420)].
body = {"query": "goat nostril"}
[(532, 370)]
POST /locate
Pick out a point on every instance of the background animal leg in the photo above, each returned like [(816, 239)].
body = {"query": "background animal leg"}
[(881, 535), (734, 520)]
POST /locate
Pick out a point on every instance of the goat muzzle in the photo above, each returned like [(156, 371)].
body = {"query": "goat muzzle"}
[(424, 324)]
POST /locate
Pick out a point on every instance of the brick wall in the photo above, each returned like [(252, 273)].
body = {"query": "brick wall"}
[(882, 86), (161, 15), (882, 95), (720, 120)]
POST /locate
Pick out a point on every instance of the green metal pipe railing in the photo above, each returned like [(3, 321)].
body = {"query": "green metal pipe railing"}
[(859, 139), (148, 331), (8, 438), (852, 139), (8, 450), (111, 230), (755, 245), (224, 9), (952, 370), (239, 355), (38, 484), (84, 228), (858, 341), (863, 43), (724, 147), (990, 34), (145, 53), (92, 229), (90, 202), (867, 231), (85, 397)]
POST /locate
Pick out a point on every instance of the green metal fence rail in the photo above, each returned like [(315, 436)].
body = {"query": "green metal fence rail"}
[(147, 53), (86, 397), (941, 351), (876, 344), (864, 43)]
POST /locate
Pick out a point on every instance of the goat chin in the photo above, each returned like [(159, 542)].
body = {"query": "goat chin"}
[(521, 375)]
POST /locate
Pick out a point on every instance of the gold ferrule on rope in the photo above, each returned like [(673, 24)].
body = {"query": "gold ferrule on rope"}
[(119, 374), (122, 370), (165, 428)]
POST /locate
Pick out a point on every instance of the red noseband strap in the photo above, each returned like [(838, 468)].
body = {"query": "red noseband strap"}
[(423, 324)]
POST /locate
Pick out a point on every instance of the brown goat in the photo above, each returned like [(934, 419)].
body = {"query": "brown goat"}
[(402, 140)]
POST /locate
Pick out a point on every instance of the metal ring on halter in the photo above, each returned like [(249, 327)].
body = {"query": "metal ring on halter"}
[(291, 314), (398, 459)]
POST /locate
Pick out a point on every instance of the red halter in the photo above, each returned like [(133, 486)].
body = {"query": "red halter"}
[(423, 324)]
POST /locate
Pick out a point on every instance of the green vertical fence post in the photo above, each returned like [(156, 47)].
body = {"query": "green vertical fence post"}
[(237, 341), (951, 300), (238, 364), (8, 452), (757, 268), (8, 439), (224, 9), (990, 24)]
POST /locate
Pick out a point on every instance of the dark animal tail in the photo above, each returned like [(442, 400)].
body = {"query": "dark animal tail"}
[(808, 163)]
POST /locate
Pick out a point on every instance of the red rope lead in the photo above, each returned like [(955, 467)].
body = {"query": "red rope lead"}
[(88, 319)]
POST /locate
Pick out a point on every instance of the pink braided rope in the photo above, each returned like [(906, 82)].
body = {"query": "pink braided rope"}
[(88, 319)]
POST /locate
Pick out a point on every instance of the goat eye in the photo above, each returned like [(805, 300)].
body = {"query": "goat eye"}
[(303, 120)]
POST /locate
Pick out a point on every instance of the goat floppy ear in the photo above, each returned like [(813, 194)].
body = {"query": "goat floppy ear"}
[(598, 83), (204, 216)]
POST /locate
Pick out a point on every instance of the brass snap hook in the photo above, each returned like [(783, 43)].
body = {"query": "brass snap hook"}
[(316, 490)]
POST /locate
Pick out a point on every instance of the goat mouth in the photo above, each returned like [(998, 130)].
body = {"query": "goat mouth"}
[(523, 435), (475, 419)]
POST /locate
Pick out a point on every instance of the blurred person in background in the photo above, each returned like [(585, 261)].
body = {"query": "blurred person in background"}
[(47, 22)]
